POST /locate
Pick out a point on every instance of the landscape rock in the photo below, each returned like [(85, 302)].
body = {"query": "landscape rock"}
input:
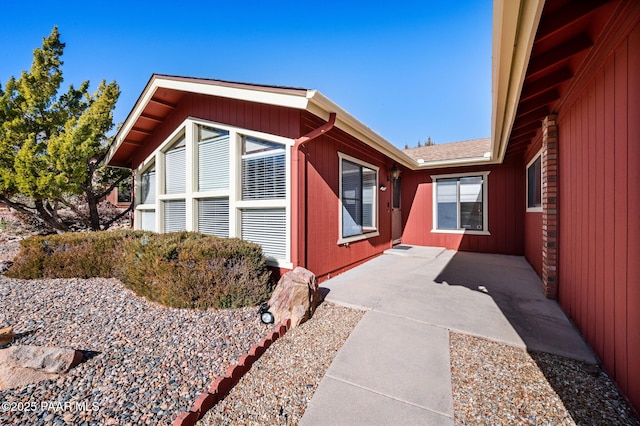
[(6, 336), (22, 365), (296, 297)]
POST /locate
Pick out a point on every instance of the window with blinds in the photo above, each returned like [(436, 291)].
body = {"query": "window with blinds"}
[(148, 187), (213, 158), (267, 227), (246, 198), (359, 184), (213, 216), (175, 168), (263, 170), (174, 215), (148, 220)]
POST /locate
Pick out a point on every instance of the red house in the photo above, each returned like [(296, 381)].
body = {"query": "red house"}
[(557, 182)]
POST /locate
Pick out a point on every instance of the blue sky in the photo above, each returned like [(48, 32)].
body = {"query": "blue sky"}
[(408, 70)]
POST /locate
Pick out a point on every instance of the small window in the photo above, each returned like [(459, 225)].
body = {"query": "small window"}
[(148, 186), (148, 220), (460, 204), (175, 168), (267, 227), (213, 158), (358, 199), (174, 215), (213, 216), (263, 170), (534, 185)]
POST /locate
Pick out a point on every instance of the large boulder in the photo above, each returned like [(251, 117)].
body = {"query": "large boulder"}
[(296, 297), (21, 365)]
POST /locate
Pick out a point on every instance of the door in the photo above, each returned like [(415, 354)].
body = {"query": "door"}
[(396, 212)]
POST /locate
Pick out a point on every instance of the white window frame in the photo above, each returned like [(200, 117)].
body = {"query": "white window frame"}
[(142, 169), (537, 209), (161, 174), (365, 235), (485, 203), (233, 193)]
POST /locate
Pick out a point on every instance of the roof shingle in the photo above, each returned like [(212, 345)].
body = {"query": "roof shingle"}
[(473, 148)]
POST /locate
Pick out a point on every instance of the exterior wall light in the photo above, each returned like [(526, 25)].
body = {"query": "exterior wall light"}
[(394, 173), (383, 187)]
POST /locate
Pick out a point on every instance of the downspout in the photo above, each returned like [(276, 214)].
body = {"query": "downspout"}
[(299, 166), (316, 132)]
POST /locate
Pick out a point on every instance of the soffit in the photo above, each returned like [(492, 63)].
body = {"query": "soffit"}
[(566, 36)]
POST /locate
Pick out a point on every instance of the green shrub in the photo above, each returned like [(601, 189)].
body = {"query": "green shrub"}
[(69, 255), (190, 270), (184, 270)]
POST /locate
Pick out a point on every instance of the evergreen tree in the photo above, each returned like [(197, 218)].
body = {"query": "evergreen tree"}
[(52, 145)]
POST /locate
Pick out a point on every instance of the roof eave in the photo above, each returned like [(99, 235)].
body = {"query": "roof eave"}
[(515, 23), (322, 106), (309, 100), (285, 97)]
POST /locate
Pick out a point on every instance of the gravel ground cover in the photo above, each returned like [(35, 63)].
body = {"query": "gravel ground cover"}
[(280, 384), (9, 247), (146, 363), (498, 384)]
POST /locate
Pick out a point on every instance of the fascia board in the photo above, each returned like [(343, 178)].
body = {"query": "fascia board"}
[(271, 97), (514, 29)]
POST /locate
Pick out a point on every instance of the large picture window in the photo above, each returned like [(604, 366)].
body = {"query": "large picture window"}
[(460, 203), (219, 180), (358, 199), (534, 184)]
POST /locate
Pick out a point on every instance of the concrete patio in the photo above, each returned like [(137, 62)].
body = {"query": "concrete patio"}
[(395, 368)]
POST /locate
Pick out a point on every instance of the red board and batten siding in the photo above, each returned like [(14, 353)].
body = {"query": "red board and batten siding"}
[(505, 211), (248, 115), (320, 204), (532, 220), (599, 213)]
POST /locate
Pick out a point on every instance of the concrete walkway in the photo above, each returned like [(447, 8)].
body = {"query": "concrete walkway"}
[(394, 368)]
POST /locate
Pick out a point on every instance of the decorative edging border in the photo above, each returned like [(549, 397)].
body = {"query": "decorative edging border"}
[(221, 386)]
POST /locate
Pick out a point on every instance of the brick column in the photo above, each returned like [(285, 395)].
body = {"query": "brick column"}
[(550, 206)]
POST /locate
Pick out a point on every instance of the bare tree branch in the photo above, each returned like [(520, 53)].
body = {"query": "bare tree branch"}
[(77, 211), (111, 187), (118, 217)]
